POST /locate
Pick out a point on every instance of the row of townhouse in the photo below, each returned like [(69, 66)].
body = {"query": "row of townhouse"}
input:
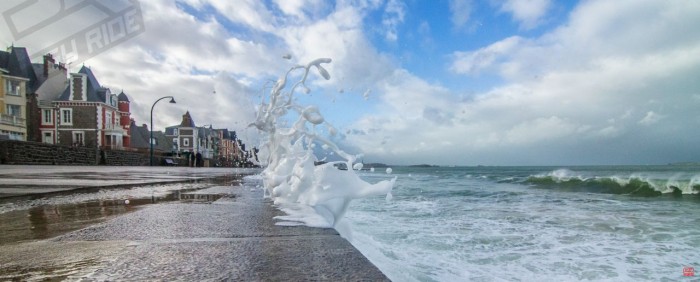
[(220, 145), (43, 103)]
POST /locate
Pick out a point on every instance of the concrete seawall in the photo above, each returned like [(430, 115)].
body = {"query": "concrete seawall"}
[(231, 238)]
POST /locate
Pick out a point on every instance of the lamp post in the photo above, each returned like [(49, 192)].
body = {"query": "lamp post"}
[(172, 101)]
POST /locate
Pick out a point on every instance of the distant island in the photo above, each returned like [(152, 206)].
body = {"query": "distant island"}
[(423, 165), (686, 163), (377, 165), (381, 165)]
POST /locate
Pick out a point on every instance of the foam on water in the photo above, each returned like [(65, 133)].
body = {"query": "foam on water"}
[(641, 183), (310, 194), (476, 230)]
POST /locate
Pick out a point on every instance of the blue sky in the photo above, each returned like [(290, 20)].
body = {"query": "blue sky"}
[(513, 82)]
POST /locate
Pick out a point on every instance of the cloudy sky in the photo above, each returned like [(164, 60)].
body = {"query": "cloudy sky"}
[(512, 82)]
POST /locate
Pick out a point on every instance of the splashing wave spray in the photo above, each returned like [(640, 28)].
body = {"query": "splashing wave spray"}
[(310, 194)]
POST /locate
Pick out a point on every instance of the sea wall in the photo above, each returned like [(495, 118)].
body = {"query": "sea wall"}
[(34, 153)]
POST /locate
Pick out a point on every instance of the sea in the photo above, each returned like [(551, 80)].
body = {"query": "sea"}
[(563, 223)]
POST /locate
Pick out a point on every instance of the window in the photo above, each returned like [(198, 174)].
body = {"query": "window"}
[(78, 138), (47, 117), (12, 87), (108, 121), (186, 142), (66, 116), (154, 141), (48, 137), (14, 110), (175, 131)]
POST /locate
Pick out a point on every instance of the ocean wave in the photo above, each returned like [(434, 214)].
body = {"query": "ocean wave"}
[(631, 184)]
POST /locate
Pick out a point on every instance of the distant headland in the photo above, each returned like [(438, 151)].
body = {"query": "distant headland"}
[(423, 165)]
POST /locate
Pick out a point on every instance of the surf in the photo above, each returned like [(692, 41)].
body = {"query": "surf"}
[(636, 183)]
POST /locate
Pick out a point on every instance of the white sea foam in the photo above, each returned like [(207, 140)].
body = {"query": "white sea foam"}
[(685, 182), (430, 233), (310, 194)]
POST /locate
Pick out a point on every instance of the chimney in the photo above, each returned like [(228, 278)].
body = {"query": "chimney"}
[(48, 63)]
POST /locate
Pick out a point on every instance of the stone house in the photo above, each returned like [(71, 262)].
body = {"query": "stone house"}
[(87, 114), (184, 136)]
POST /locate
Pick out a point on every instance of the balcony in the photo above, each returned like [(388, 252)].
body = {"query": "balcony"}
[(13, 120)]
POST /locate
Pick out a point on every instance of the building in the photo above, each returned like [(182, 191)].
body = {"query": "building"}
[(229, 153), (207, 142), (87, 114), (184, 136), (52, 80), (140, 135), (218, 147), (124, 106), (16, 79)]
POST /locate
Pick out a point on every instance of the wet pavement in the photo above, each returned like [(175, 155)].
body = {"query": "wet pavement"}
[(210, 225)]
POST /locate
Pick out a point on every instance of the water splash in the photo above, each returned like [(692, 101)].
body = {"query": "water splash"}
[(310, 194)]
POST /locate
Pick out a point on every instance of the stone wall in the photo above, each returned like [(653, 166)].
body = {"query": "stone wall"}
[(34, 153), (118, 157)]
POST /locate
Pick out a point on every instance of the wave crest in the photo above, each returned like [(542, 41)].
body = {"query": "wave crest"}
[(634, 184)]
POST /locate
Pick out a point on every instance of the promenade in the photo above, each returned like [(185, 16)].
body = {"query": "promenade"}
[(179, 224)]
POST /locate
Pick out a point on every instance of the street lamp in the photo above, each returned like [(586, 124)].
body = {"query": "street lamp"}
[(172, 101)]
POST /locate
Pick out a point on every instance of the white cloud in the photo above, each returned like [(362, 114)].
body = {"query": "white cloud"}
[(303, 10), (254, 14), (292, 7), (393, 16), (460, 12), (651, 118), (528, 13), (485, 58), (339, 36), (570, 95)]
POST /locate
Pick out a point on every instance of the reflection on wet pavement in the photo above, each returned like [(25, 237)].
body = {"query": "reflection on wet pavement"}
[(54, 263), (200, 198)]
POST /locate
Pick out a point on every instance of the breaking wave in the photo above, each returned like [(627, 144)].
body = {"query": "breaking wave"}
[(631, 184)]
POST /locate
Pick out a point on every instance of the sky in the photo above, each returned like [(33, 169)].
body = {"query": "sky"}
[(512, 82)]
